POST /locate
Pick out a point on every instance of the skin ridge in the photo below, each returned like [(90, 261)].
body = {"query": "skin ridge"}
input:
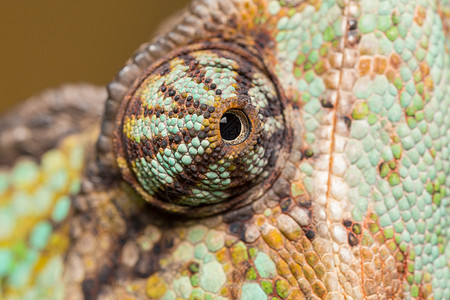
[(345, 44)]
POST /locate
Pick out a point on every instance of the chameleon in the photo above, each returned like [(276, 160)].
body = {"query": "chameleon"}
[(251, 150)]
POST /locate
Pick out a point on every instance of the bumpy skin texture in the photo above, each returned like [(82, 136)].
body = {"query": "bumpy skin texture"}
[(170, 134), (359, 204)]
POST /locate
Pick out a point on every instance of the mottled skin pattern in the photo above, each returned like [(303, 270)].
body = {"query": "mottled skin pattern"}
[(170, 137), (357, 203)]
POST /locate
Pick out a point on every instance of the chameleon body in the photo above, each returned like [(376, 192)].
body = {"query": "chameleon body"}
[(335, 186)]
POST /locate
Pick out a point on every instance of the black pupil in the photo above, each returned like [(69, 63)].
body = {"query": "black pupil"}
[(230, 126)]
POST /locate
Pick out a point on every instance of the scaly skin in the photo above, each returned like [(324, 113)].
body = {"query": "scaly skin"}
[(354, 206)]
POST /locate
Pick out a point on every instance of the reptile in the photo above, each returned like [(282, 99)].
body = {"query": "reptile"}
[(251, 150)]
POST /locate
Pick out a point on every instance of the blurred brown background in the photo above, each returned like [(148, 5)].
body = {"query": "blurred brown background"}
[(48, 42)]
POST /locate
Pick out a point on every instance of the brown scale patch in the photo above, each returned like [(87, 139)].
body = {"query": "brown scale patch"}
[(424, 68), (395, 61), (364, 66), (379, 65), (420, 15), (391, 75), (383, 263)]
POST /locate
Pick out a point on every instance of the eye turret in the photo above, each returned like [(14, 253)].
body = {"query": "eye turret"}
[(201, 127)]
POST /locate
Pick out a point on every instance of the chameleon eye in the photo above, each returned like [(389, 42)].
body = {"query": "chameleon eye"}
[(200, 129)]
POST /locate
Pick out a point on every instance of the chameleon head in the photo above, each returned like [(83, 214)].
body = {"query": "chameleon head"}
[(199, 129)]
